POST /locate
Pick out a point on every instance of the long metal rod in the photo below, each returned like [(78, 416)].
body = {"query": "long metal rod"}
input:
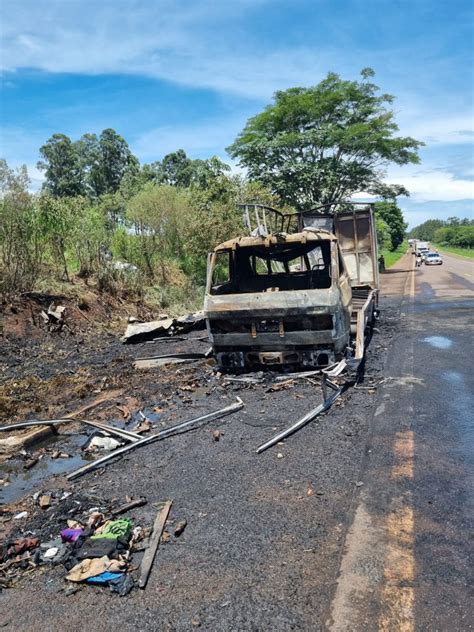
[(302, 422), (124, 434), (28, 424), (176, 429)]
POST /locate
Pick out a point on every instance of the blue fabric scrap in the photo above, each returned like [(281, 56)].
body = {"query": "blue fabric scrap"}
[(104, 578)]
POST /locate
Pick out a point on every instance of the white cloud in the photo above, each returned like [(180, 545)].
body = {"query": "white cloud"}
[(431, 184), (440, 130)]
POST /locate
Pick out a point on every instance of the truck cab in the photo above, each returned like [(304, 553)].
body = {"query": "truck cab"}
[(278, 297)]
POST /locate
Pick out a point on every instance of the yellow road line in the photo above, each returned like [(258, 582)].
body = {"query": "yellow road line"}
[(403, 449), (398, 595)]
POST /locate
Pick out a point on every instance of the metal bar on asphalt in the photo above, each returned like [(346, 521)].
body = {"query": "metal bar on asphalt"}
[(176, 429), (301, 422)]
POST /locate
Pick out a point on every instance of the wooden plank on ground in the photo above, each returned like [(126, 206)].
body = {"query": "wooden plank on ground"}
[(148, 558)]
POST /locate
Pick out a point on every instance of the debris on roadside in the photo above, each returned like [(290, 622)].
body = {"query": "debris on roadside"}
[(138, 332), (133, 504), (94, 545), (246, 379), (162, 360), (44, 501), (148, 558), (184, 426), (141, 332), (280, 386), (31, 463), (99, 441), (180, 527), (312, 414), (144, 426), (54, 317)]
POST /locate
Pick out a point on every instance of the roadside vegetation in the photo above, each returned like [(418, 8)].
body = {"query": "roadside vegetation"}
[(467, 253), (451, 233), (392, 256), (142, 232)]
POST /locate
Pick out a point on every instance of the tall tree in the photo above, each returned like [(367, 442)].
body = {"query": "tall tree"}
[(64, 176), (21, 250), (321, 144), (115, 159), (89, 153), (177, 169), (392, 215)]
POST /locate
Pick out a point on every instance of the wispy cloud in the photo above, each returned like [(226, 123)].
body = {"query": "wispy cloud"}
[(428, 184), (196, 44), (456, 129)]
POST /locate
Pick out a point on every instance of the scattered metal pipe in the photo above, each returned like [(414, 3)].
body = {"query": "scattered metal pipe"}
[(124, 434), (184, 426), (28, 424), (303, 421)]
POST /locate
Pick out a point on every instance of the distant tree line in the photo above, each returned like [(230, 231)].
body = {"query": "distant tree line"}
[(451, 232)]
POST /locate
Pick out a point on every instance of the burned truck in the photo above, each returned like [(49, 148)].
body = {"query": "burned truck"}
[(299, 290)]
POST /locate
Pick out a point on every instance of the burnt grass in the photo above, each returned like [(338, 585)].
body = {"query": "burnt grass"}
[(264, 532)]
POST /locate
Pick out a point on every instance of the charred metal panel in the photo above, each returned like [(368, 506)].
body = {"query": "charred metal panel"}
[(357, 239)]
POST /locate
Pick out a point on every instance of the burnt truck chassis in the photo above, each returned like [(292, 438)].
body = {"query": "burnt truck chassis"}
[(300, 318)]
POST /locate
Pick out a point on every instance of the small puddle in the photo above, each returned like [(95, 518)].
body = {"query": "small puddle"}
[(453, 376), (23, 481), (439, 342)]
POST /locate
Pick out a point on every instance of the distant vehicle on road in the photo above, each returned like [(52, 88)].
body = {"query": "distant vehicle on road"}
[(421, 247), (433, 259)]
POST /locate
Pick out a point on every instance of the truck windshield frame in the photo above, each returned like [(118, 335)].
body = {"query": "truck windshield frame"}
[(278, 267)]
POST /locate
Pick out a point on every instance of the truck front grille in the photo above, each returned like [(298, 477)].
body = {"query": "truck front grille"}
[(322, 322)]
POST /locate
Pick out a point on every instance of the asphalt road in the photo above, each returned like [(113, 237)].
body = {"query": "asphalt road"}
[(407, 561)]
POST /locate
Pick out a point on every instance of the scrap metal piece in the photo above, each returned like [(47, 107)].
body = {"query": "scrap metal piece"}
[(303, 421), (140, 331), (300, 374), (171, 358), (244, 379), (335, 369), (184, 426)]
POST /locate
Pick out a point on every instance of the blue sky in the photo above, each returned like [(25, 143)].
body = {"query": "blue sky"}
[(188, 73)]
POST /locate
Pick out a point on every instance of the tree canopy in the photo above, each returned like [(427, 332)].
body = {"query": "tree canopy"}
[(451, 232), (322, 144), (91, 166), (64, 175), (392, 215)]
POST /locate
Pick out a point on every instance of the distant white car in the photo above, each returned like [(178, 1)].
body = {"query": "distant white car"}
[(433, 259)]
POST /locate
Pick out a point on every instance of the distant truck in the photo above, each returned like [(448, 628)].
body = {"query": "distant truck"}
[(294, 290), (422, 247)]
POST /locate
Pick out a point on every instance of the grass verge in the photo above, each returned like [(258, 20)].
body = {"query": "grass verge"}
[(392, 256), (465, 253)]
